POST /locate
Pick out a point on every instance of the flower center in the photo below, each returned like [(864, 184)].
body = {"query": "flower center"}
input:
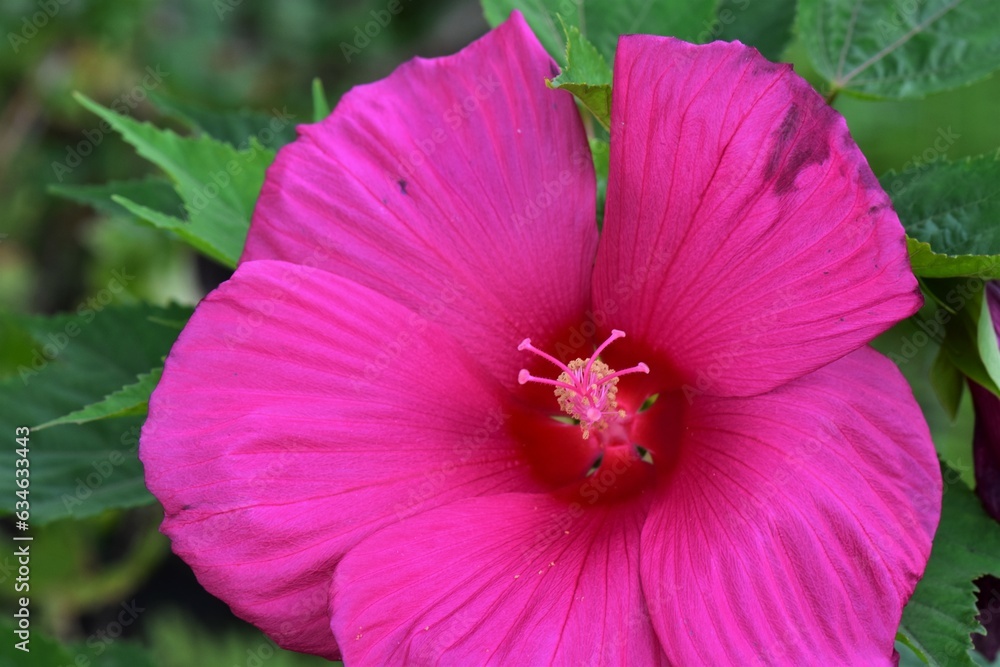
[(586, 388)]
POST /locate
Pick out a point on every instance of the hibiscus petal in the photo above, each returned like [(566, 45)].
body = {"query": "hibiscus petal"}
[(512, 579), (986, 448), (796, 524), (298, 412), (986, 438), (461, 187), (746, 241)]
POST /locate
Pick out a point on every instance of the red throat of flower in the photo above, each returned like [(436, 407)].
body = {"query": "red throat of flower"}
[(586, 388)]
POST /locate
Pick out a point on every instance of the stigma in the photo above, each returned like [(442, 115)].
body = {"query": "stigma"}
[(586, 388)]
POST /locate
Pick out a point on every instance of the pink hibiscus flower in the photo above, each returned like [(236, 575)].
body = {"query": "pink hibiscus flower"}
[(349, 453)]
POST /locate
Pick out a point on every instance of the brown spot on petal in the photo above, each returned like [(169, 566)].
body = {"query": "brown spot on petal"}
[(798, 144), (785, 134), (867, 178)]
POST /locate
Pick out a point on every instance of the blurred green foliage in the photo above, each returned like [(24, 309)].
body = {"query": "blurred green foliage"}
[(200, 58), (222, 56)]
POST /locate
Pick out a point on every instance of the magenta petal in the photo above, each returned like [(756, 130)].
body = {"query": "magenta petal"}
[(986, 439), (796, 524), (516, 579), (746, 239), (986, 448), (298, 413), (461, 187), (992, 296)]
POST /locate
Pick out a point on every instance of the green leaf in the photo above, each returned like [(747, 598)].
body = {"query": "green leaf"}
[(948, 383), (152, 192), (986, 342), (98, 651), (601, 152), (899, 50), (941, 614), (961, 312), (180, 639), (16, 347), (929, 264), (195, 238), (116, 654), (321, 108), (764, 25), (218, 183), (132, 399), (962, 351), (602, 21), (235, 128), (950, 212), (76, 360), (44, 652), (587, 76)]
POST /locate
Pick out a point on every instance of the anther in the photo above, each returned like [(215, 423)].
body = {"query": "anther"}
[(585, 389)]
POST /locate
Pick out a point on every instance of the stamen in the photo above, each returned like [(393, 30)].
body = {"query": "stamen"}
[(638, 368), (585, 389), (526, 345), (524, 377), (615, 335)]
